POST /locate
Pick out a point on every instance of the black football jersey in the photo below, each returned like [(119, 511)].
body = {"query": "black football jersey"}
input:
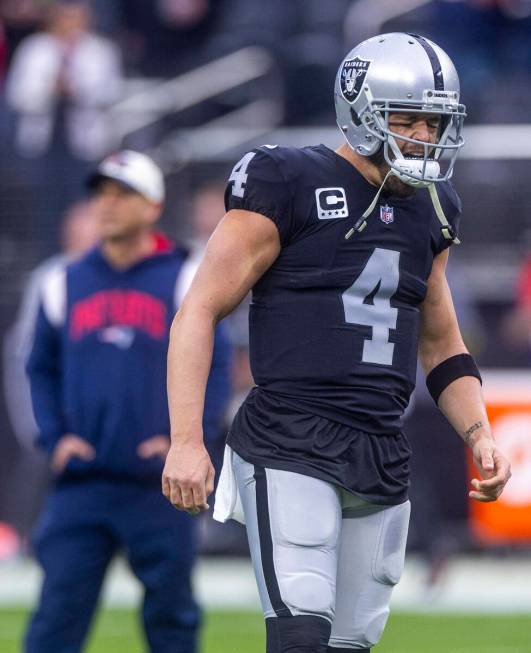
[(334, 322)]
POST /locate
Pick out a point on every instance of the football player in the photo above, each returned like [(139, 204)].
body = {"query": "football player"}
[(345, 253)]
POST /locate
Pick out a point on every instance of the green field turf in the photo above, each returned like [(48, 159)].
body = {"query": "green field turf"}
[(117, 631)]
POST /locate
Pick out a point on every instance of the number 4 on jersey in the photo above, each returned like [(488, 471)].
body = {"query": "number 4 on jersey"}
[(368, 302), (239, 174)]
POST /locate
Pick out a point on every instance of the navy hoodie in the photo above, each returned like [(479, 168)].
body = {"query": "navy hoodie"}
[(98, 363)]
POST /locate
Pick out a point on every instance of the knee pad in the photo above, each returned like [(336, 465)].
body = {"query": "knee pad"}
[(300, 634), (309, 592), (373, 629)]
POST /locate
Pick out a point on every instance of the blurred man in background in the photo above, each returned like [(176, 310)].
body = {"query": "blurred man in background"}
[(79, 232), (60, 83), (97, 372)]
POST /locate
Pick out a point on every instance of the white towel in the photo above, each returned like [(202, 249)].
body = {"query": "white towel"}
[(227, 504)]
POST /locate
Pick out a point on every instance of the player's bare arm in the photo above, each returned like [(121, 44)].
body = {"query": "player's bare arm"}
[(461, 401), (242, 248)]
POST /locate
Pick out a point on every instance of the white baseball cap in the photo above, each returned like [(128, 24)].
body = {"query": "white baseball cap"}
[(133, 170)]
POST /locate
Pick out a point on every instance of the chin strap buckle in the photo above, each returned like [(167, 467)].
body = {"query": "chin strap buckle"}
[(447, 230), (358, 227), (449, 234)]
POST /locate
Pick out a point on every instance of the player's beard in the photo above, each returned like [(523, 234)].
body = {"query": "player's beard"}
[(393, 185)]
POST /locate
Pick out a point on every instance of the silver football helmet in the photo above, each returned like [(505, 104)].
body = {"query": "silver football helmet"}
[(400, 73)]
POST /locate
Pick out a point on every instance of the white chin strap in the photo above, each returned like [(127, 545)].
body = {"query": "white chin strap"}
[(446, 229), (403, 168), (420, 174)]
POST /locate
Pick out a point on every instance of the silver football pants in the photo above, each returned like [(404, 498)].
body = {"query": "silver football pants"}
[(319, 550)]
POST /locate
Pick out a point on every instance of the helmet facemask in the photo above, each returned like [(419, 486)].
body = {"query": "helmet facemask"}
[(423, 170)]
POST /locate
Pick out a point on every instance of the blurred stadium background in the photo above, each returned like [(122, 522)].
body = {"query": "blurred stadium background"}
[(196, 83)]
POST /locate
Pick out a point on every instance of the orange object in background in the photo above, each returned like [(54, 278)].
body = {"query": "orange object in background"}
[(507, 520)]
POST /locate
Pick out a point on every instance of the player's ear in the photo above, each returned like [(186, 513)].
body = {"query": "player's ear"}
[(154, 213)]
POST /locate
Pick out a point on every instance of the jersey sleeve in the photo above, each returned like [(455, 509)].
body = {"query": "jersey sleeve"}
[(257, 184), (451, 204)]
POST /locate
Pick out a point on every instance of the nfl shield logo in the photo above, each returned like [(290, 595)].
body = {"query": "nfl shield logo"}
[(387, 214)]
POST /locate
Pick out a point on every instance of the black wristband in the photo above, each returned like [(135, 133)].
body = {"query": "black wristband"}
[(449, 370)]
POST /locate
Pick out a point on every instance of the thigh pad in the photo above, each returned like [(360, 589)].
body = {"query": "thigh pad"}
[(388, 562)]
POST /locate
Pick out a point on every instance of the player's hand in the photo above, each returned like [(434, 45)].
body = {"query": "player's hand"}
[(158, 445), (68, 447), (494, 468), (188, 477)]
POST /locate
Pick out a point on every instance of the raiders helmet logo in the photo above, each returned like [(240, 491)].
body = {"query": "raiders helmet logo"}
[(352, 77)]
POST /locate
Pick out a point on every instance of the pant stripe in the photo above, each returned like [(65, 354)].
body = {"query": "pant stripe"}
[(266, 544)]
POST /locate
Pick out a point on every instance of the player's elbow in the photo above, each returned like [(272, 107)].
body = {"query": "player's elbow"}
[(435, 350), (193, 315)]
